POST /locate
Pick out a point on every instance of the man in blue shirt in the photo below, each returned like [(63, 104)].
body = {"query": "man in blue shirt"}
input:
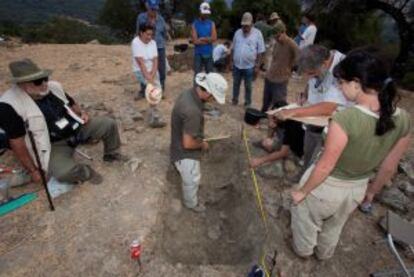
[(203, 34), (154, 18), (248, 51)]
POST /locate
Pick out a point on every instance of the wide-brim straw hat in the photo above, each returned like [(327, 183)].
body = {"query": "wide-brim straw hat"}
[(26, 70), (153, 94)]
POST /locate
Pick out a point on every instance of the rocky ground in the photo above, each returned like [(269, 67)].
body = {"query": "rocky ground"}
[(90, 232)]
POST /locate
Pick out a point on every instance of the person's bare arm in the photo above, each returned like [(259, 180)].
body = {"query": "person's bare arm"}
[(320, 109), (141, 64), (190, 143), (388, 168), (19, 148), (154, 68), (78, 110), (274, 156), (335, 144), (213, 34), (195, 38)]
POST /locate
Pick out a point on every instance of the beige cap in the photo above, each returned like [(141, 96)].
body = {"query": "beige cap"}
[(278, 28), (214, 84), (274, 16), (247, 19)]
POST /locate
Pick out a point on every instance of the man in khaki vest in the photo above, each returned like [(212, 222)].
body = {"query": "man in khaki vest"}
[(35, 104)]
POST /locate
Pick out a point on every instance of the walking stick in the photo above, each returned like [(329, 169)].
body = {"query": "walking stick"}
[(39, 166)]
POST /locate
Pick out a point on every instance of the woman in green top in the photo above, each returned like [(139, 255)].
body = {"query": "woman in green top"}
[(373, 133)]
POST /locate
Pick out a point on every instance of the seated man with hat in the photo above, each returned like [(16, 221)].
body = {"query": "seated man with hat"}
[(187, 132), (41, 108)]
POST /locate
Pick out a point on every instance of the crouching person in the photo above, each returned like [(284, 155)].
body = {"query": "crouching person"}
[(35, 104), (187, 132)]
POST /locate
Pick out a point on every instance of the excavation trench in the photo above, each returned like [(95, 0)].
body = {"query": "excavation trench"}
[(229, 232)]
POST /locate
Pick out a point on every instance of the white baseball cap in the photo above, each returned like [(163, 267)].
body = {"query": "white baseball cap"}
[(153, 94), (213, 83), (205, 8)]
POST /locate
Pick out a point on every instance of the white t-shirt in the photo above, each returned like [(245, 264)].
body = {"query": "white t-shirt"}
[(220, 52), (145, 51), (326, 89), (308, 36)]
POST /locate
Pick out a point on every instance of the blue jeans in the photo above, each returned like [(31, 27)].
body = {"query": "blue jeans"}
[(201, 62), (242, 74), (162, 67)]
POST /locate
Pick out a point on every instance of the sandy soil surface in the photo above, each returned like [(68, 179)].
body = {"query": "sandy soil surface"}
[(90, 232)]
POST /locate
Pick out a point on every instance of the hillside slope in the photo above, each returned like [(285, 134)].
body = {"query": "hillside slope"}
[(33, 11)]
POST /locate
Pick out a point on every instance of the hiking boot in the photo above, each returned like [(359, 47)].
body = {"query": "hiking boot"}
[(115, 157), (94, 177)]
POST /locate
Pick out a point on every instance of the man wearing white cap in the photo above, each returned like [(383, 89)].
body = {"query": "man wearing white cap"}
[(203, 34), (248, 50), (187, 132)]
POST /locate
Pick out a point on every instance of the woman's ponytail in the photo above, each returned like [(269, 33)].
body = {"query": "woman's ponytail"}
[(386, 97)]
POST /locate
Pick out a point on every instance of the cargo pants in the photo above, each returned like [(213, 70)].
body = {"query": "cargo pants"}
[(318, 220), (190, 175), (62, 165)]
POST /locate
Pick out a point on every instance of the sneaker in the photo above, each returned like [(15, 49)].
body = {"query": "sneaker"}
[(94, 177), (115, 157), (200, 208)]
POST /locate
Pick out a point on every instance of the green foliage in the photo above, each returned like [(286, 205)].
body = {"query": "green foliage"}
[(119, 15), (346, 30), (65, 30), (288, 10), (10, 28), (25, 12), (408, 80)]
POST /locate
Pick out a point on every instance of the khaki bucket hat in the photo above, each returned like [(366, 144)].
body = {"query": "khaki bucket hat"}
[(26, 70)]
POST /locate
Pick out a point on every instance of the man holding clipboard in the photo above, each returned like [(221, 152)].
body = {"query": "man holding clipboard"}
[(323, 96)]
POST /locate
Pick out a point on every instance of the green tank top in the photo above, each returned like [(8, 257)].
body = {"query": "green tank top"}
[(365, 151)]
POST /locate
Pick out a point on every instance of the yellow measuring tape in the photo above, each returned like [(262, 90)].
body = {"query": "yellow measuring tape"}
[(259, 200)]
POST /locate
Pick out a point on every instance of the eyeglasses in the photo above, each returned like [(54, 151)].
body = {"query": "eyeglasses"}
[(40, 81)]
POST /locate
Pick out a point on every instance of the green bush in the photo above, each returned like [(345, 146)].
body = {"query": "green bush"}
[(9, 28), (66, 30), (408, 81)]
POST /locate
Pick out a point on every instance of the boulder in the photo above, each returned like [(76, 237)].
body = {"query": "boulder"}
[(394, 198)]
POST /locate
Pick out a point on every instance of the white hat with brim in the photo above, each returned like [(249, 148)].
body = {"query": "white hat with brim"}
[(153, 94), (26, 71), (214, 84), (205, 8)]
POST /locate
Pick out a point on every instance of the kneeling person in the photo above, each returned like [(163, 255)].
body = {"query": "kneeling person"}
[(187, 132), (290, 133), (35, 104)]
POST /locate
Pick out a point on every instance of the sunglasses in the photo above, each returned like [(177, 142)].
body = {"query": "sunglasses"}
[(39, 82)]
